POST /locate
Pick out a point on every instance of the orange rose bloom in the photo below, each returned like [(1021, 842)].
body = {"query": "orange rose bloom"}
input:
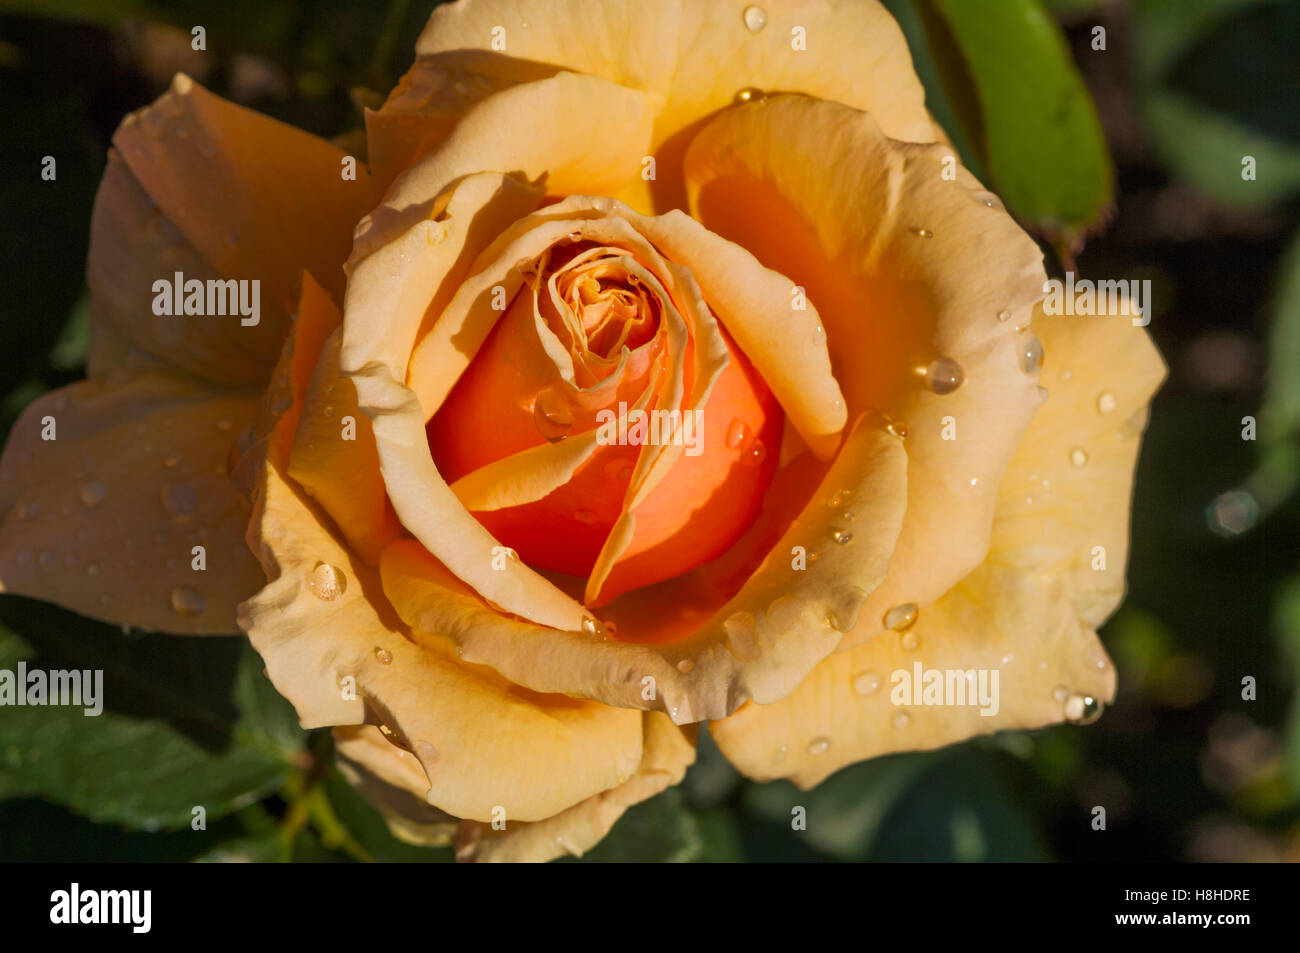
[(653, 373)]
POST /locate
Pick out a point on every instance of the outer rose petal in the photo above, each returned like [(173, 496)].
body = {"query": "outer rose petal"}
[(912, 267), (279, 200), (669, 751), (103, 518), (690, 56), (392, 780), (1027, 612), (481, 741), (759, 644)]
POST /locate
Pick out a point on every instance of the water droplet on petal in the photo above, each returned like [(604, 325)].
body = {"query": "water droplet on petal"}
[(901, 617), (1060, 693), (898, 429), (944, 375), (619, 470), (1031, 354), (781, 752), (1082, 709), (385, 657), (553, 416), (742, 635), (1106, 403), (180, 499), (867, 683), (819, 745), (750, 94), (755, 18), (1078, 456), (736, 434), (1004, 315), (327, 582), (921, 232), (910, 641), (188, 601), (685, 666), (93, 493), (755, 454), (841, 536), (590, 625), (901, 718)]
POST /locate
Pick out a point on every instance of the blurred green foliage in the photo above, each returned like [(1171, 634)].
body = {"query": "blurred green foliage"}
[(1187, 768)]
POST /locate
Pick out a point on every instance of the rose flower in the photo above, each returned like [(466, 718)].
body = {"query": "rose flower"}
[(652, 373)]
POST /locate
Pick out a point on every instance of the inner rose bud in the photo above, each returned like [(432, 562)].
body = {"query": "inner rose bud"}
[(612, 360)]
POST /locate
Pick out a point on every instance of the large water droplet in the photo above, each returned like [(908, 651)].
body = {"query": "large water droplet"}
[(901, 617), (842, 613), (898, 429), (327, 582), (93, 493), (944, 375), (867, 683), (384, 656), (180, 499), (1031, 354), (742, 637), (1082, 709), (187, 601), (736, 434), (755, 18), (553, 416)]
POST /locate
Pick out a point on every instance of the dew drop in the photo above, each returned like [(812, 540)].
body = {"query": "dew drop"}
[(1031, 354), (944, 375), (901, 617), (1078, 456), (1004, 315), (755, 18), (385, 657), (921, 232), (93, 493), (1060, 693), (1106, 403), (180, 499), (188, 601), (750, 94), (841, 536), (1082, 709), (898, 429), (819, 745), (755, 453), (781, 752), (742, 636), (910, 641), (901, 718), (618, 470), (327, 582), (685, 666), (553, 416), (867, 683), (590, 625), (736, 434)]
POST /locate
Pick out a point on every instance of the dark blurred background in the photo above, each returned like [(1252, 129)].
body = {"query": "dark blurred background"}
[(1187, 768)]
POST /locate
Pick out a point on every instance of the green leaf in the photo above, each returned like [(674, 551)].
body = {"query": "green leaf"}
[(369, 830), (844, 813), (1020, 99), (186, 723), (664, 830), (1216, 80)]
